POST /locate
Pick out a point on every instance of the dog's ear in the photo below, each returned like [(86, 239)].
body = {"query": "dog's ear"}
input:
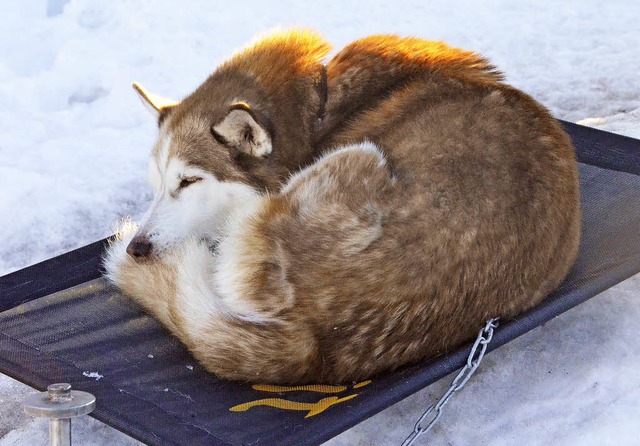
[(241, 129), (156, 105)]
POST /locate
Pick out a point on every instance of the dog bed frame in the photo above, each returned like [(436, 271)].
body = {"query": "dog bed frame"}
[(61, 322)]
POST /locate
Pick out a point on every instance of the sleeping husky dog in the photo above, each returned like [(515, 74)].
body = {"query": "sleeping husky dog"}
[(320, 223)]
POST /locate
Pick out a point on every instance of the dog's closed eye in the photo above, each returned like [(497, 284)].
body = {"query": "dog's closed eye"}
[(188, 181)]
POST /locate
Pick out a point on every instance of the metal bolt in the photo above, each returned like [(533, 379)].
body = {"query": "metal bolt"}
[(59, 403)]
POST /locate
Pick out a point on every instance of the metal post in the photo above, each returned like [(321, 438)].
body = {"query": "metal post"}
[(59, 403), (60, 432)]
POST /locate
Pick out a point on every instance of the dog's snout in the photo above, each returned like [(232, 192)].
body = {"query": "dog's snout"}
[(139, 247)]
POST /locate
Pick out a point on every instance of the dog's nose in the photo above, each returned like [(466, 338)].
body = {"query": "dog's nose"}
[(139, 248)]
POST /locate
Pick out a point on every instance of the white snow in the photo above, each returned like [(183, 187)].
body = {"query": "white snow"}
[(74, 142), (95, 375)]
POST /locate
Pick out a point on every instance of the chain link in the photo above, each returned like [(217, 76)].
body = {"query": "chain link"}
[(473, 361)]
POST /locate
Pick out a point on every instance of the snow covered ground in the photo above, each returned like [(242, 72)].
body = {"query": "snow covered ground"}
[(74, 142)]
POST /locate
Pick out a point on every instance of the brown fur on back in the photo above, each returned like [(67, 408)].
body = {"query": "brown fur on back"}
[(373, 258), (393, 264), (376, 66)]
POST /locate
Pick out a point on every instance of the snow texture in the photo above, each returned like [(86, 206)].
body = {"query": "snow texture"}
[(74, 142), (95, 375)]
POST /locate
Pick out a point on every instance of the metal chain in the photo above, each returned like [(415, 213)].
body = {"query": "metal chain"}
[(473, 361)]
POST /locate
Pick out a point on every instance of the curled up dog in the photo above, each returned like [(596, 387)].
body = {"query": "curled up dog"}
[(318, 223)]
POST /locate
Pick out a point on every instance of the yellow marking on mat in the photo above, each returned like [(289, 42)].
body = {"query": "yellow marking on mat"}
[(313, 408), (309, 388)]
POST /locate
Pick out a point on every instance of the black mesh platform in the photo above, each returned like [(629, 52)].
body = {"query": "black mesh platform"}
[(61, 322)]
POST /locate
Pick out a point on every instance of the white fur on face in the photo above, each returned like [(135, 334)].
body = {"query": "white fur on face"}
[(198, 210)]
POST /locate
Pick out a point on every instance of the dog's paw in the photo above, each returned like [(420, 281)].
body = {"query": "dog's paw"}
[(116, 256)]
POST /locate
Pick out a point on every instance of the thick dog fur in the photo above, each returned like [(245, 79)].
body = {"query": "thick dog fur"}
[(443, 197)]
